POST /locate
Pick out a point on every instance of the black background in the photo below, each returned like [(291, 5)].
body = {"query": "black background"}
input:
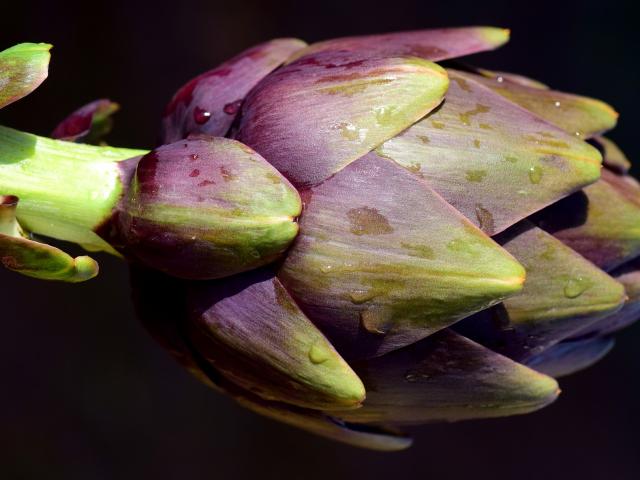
[(85, 394)]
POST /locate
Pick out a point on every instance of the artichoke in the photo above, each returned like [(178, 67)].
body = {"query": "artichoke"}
[(346, 236)]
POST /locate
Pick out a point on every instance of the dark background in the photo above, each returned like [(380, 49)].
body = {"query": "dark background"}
[(85, 394)]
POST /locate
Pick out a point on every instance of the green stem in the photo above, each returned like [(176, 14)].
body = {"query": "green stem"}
[(66, 189)]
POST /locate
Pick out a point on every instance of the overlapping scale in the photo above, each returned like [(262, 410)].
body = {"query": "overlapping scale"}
[(563, 294), (447, 377), (316, 115), (210, 102), (382, 261), (602, 222), (492, 160), (434, 45), (576, 114), (252, 331)]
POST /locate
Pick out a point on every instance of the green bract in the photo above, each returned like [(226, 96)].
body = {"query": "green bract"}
[(346, 236)]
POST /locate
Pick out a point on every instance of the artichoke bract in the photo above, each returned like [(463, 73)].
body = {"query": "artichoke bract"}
[(346, 236)]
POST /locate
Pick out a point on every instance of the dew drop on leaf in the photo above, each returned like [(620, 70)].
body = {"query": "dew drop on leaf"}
[(376, 321), (535, 174), (201, 116), (319, 353), (575, 287)]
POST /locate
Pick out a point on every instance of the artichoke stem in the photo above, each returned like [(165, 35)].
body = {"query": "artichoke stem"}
[(66, 189)]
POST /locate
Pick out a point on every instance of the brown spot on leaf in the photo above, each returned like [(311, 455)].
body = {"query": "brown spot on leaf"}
[(476, 175), (485, 220), (368, 221), (422, 251), (462, 83), (465, 117)]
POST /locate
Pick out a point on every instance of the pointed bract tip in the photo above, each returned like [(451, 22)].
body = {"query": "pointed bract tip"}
[(23, 68), (538, 391), (495, 35), (86, 268)]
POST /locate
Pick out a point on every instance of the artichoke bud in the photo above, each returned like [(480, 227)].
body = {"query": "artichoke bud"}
[(88, 124), (207, 208)]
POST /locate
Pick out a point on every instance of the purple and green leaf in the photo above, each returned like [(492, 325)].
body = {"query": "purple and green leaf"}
[(207, 208), (447, 377), (434, 45), (210, 102), (493, 161), (23, 68), (375, 274), (318, 114), (89, 124)]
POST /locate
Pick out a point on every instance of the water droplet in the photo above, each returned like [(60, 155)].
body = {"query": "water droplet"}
[(500, 79), (457, 245), (383, 114), (194, 156), (360, 296), (375, 320), (349, 131), (414, 167), (578, 134), (319, 352), (411, 377), (414, 376), (232, 108), (326, 268), (535, 174), (201, 116), (576, 286), (557, 104), (226, 174)]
